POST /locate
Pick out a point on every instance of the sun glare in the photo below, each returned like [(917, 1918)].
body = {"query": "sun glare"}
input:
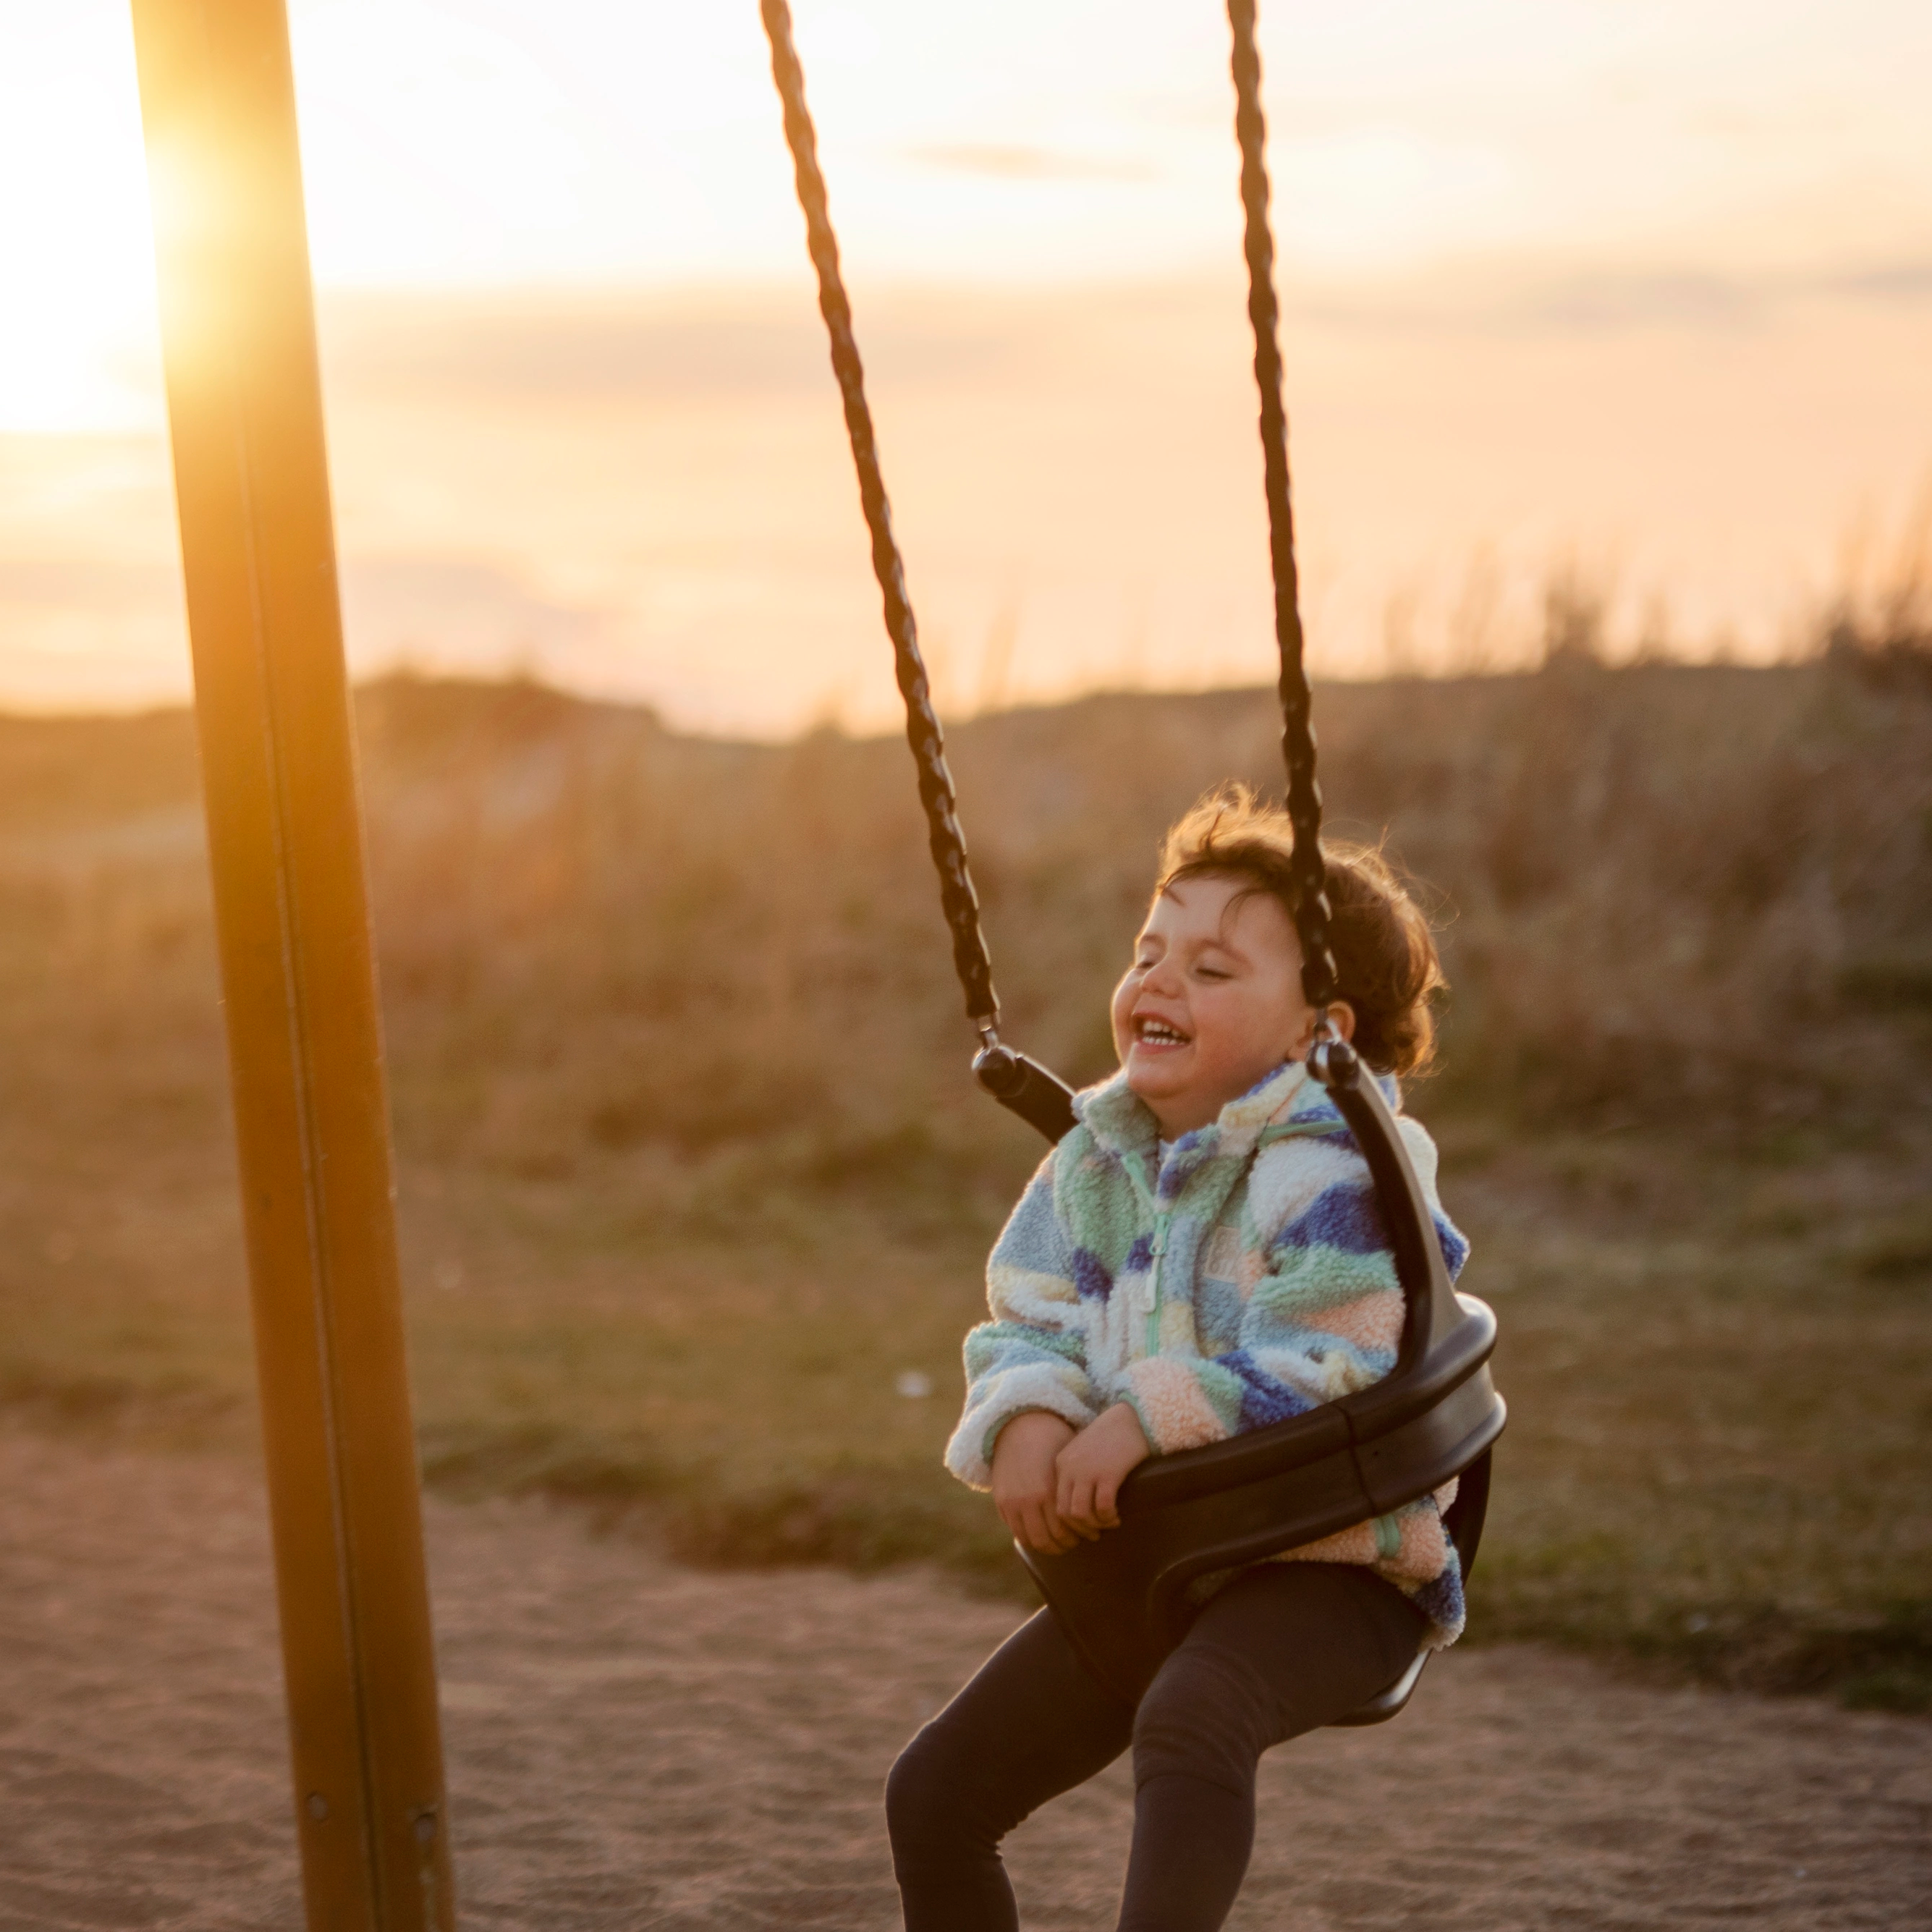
[(77, 329)]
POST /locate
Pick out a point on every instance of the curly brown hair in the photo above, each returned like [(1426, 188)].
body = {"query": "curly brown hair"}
[(1387, 966)]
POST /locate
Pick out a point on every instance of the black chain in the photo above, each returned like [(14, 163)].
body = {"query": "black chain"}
[(1308, 874), (957, 896)]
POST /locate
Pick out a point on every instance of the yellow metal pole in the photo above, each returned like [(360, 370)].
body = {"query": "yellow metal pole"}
[(285, 835)]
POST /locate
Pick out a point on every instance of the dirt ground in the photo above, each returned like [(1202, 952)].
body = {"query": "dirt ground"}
[(632, 1745)]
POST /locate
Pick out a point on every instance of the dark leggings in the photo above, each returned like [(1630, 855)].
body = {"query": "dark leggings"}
[(1283, 1649)]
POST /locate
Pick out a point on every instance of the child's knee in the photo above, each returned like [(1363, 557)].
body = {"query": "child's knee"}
[(915, 1787), (1203, 1717), (930, 1791)]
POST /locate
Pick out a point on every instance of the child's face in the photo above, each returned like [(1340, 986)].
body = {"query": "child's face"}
[(1213, 1001)]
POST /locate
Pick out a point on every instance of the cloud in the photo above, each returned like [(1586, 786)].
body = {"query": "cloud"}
[(1513, 298), (1016, 161), (455, 596), (765, 345), (1896, 281), (704, 346), (102, 587)]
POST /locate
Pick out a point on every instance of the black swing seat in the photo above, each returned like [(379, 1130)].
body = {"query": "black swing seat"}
[(1124, 1599)]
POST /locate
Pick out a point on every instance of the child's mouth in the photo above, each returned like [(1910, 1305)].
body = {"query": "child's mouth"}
[(1158, 1033)]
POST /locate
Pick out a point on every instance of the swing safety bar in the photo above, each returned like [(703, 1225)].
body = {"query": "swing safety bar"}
[(1023, 1087)]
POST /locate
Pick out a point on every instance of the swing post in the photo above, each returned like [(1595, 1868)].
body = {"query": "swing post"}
[(292, 914)]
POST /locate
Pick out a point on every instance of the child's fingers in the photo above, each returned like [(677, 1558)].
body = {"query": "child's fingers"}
[(1075, 1503), (1063, 1533), (1029, 1519), (1055, 1538), (1066, 1497), (1065, 1491), (1033, 1516), (1038, 1528), (1079, 1518)]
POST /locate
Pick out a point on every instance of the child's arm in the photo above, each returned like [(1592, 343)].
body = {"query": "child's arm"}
[(1033, 1354)]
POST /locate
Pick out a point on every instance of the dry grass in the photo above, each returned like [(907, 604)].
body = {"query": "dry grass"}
[(691, 1176)]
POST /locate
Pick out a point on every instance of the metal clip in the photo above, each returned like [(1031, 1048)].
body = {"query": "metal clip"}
[(1331, 1059)]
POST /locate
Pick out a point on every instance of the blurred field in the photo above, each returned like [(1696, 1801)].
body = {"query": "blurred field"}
[(692, 1177)]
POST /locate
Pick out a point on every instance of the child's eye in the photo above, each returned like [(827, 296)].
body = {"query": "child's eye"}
[(1213, 972)]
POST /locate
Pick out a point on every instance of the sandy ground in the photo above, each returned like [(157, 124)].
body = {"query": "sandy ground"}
[(635, 1745)]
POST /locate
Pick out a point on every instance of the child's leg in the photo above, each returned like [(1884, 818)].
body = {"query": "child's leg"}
[(1031, 1724), (1285, 1648)]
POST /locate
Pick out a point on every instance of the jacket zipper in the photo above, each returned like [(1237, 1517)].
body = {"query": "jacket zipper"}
[(1153, 1285)]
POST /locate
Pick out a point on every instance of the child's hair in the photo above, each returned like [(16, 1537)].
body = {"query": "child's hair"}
[(1385, 959)]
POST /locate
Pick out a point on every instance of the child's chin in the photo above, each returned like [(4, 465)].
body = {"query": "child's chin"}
[(1150, 1081)]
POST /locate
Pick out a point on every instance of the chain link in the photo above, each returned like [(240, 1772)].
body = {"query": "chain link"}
[(961, 902), (1308, 873)]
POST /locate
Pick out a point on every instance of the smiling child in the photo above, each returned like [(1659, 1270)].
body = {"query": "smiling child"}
[(1201, 1256)]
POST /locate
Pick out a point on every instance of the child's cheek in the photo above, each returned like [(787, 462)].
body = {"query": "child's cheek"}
[(1119, 1015)]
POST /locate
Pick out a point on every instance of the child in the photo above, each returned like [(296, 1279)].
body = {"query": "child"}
[(1274, 1291)]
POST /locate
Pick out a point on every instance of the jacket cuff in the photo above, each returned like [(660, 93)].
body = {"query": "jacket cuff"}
[(969, 1456)]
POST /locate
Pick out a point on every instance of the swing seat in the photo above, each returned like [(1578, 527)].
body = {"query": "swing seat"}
[(1124, 1598)]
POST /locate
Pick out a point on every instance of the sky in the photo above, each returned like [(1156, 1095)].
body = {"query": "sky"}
[(1636, 291)]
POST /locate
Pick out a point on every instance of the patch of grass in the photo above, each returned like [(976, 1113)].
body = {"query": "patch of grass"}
[(171, 1410), (1900, 1251), (693, 1180), (1681, 1481), (1898, 983), (864, 1518)]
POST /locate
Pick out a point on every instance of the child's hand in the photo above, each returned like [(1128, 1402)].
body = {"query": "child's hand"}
[(1091, 1467), (1023, 1481)]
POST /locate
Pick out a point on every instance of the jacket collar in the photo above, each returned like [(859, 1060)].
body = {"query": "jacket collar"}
[(1285, 1101)]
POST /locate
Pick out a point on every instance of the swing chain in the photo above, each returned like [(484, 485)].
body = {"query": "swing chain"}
[(1308, 874), (958, 897)]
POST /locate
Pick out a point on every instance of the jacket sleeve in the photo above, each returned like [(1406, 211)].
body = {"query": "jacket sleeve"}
[(1033, 1353)]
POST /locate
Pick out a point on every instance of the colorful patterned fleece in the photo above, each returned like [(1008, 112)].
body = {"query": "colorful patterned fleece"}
[(1243, 1278)]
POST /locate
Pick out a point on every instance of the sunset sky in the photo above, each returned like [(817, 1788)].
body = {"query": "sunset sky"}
[(1639, 290)]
